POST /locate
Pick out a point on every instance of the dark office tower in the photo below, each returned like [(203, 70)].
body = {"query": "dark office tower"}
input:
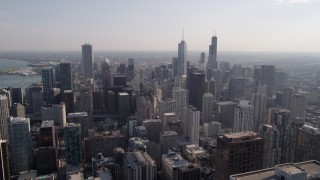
[(83, 119), (218, 77), (238, 153), (207, 107), (272, 150), (225, 114), (106, 79), (212, 58), (17, 110), (197, 89), (130, 73), (4, 115), (31, 89), (182, 57), (84, 102), (48, 82), (256, 74), (120, 81), (87, 61), (16, 95), (259, 101), (267, 77), (47, 134), (202, 60), (112, 107), (124, 107), (279, 99), (121, 69), (153, 127), (236, 88), (65, 76), (4, 160), (72, 139), (280, 118), (307, 144), (97, 100), (287, 96), (175, 66), (68, 99), (46, 160), (20, 145), (54, 96)]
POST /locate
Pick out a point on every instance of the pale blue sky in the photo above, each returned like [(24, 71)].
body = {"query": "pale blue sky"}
[(241, 25)]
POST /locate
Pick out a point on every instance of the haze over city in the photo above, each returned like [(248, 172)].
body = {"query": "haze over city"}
[(247, 25)]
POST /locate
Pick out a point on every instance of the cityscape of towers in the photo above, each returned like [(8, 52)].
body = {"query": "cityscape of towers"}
[(132, 121)]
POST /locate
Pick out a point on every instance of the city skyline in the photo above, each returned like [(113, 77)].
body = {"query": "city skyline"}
[(268, 25)]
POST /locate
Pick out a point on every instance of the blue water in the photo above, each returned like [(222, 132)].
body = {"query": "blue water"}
[(16, 80)]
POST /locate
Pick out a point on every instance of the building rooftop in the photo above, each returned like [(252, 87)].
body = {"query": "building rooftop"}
[(152, 121), (77, 114), (169, 114), (47, 123), (123, 94), (311, 168), (169, 133), (175, 160), (226, 103), (241, 136)]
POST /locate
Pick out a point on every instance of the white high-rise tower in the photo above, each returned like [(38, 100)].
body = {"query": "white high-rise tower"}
[(182, 57)]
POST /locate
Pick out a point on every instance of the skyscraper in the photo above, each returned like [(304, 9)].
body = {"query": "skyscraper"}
[(243, 117), (207, 107), (287, 96), (65, 76), (20, 144), (182, 57), (4, 114), (139, 165), (106, 79), (238, 153), (4, 160), (191, 124), (180, 96), (48, 82), (267, 77), (259, 100), (72, 138), (212, 58), (298, 108), (197, 89), (202, 60), (272, 150), (87, 61)]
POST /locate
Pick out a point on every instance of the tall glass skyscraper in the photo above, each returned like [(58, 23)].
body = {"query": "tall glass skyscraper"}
[(182, 58), (212, 58), (87, 61)]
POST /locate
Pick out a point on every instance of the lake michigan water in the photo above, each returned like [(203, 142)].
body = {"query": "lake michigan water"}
[(16, 80)]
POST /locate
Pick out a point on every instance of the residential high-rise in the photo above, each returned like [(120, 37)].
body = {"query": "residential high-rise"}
[(20, 145), (211, 129), (87, 61), (167, 106), (272, 150), (180, 96), (4, 160), (238, 153), (191, 124), (207, 107), (65, 76), (259, 102), (267, 77), (243, 117), (72, 139), (48, 82), (212, 58), (287, 96), (307, 144), (168, 139), (4, 115), (139, 165), (175, 167), (298, 108), (182, 58)]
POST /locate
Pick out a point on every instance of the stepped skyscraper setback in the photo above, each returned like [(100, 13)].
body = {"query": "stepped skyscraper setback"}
[(212, 58)]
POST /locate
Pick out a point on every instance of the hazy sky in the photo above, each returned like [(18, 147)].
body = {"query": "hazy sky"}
[(241, 25)]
